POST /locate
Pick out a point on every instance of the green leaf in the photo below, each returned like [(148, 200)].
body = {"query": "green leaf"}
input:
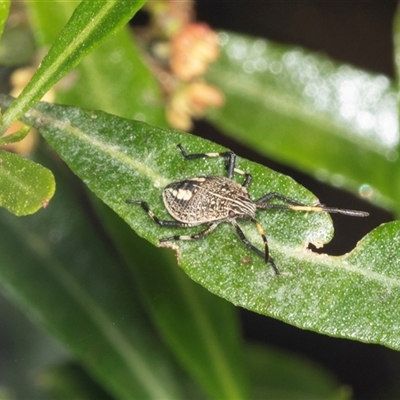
[(334, 121), (70, 381), (59, 270), (340, 296), (25, 186), (127, 89), (280, 376), (123, 86), (6, 394), (90, 24), (4, 10), (47, 26)]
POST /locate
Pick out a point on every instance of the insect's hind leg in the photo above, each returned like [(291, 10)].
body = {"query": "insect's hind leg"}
[(195, 236), (230, 161), (274, 195), (265, 255), (158, 221)]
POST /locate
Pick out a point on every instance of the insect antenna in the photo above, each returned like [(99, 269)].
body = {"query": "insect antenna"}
[(290, 204), (331, 210), (317, 208)]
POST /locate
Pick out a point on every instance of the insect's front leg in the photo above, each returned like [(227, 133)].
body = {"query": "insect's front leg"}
[(267, 198), (229, 156), (230, 162)]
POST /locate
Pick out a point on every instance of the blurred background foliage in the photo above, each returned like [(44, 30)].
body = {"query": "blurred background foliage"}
[(290, 363)]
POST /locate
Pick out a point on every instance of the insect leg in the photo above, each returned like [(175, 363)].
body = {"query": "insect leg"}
[(264, 202), (265, 255), (274, 195), (230, 161), (195, 236), (248, 177), (161, 222)]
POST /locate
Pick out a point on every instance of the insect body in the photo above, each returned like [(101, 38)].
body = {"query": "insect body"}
[(210, 200), (207, 199)]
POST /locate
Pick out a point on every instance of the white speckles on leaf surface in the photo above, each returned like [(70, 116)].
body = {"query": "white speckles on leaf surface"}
[(319, 292)]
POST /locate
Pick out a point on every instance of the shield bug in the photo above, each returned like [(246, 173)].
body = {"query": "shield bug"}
[(209, 200)]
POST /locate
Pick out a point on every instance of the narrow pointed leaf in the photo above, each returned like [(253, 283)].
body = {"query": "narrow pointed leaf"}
[(334, 121), (25, 186), (90, 24), (341, 296)]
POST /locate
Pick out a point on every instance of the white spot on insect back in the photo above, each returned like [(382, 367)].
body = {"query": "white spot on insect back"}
[(182, 194), (198, 179)]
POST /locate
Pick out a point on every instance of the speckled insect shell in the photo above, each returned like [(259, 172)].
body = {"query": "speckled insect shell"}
[(206, 199)]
